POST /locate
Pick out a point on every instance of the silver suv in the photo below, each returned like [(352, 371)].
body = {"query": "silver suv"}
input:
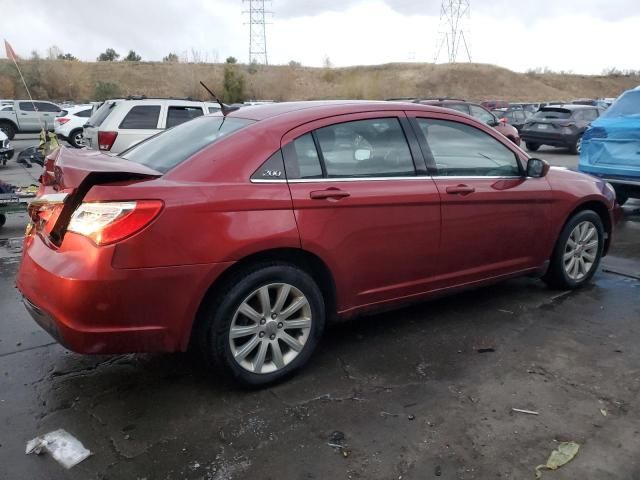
[(121, 123)]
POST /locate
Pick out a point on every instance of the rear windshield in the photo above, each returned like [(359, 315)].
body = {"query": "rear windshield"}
[(101, 114), (552, 113), (627, 105), (164, 151)]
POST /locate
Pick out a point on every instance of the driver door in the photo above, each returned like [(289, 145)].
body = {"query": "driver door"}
[(492, 214)]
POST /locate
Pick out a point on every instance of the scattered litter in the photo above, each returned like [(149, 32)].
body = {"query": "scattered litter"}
[(387, 414), (562, 455), (411, 417), (66, 449), (438, 470), (486, 350), (336, 437), (604, 412), (505, 311), (335, 441), (528, 412)]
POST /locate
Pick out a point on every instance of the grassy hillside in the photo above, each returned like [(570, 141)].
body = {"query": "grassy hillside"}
[(62, 80)]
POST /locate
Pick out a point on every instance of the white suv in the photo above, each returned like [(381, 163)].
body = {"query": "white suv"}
[(120, 124), (68, 126)]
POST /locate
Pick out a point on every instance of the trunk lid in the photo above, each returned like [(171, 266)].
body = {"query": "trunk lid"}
[(68, 176)]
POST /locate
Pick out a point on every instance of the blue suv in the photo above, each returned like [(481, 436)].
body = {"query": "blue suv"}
[(611, 146)]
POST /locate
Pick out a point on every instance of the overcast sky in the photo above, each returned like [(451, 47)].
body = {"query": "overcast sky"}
[(584, 36)]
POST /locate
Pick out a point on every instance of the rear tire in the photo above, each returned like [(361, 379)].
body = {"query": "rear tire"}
[(532, 147), (577, 253), (76, 138), (8, 129), (257, 343), (3, 219)]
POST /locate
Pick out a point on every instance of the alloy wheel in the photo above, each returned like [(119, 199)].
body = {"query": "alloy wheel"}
[(78, 138), (581, 251), (270, 328)]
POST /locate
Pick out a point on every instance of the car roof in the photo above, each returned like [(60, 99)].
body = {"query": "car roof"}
[(567, 106), (320, 108)]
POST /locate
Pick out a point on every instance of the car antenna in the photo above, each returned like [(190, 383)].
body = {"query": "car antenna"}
[(223, 108)]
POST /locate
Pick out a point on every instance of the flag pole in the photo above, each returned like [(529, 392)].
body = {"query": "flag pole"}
[(11, 54)]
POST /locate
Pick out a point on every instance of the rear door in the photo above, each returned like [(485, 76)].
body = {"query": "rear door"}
[(364, 204), (139, 122), (493, 217), (48, 112)]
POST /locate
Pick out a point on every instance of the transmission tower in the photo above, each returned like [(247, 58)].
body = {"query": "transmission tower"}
[(454, 19), (257, 30)]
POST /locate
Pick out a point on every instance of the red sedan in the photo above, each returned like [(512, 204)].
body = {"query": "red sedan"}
[(242, 234)]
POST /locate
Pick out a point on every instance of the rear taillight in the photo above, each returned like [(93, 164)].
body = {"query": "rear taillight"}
[(62, 120), (106, 140), (110, 222)]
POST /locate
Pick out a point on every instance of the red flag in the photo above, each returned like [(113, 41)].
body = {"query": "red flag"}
[(11, 55)]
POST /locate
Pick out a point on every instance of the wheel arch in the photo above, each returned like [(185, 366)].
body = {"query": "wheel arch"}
[(10, 122), (603, 212), (303, 259)]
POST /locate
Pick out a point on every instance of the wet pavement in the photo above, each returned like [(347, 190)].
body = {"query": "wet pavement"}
[(424, 392)]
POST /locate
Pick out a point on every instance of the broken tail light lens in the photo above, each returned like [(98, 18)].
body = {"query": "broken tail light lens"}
[(110, 222)]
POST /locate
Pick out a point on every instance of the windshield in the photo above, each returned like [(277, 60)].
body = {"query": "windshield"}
[(164, 151), (627, 105), (552, 113)]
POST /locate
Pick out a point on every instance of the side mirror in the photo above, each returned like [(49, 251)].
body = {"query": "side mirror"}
[(362, 154), (537, 168)]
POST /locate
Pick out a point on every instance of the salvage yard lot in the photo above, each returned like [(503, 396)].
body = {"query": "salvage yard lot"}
[(424, 392)]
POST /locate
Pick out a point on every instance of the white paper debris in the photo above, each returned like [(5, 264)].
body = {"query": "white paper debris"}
[(66, 449)]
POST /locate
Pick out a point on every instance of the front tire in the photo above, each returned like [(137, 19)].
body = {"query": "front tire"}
[(263, 324), (577, 253), (576, 148), (532, 147)]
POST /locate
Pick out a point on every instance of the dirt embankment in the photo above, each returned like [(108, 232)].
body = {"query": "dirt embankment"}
[(73, 80)]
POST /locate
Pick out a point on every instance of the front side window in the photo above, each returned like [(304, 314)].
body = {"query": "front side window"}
[(27, 107), (178, 114), (482, 115), (142, 117), (365, 148), (47, 107), (461, 150)]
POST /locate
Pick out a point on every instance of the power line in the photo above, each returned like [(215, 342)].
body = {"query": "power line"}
[(454, 18), (257, 30)]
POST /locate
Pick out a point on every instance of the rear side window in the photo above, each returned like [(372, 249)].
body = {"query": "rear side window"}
[(214, 109), (142, 117), (305, 161), (169, 148), (83, 113), (365, 148), (101, 114), (178, 114), (460, 150), (272, 169)]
